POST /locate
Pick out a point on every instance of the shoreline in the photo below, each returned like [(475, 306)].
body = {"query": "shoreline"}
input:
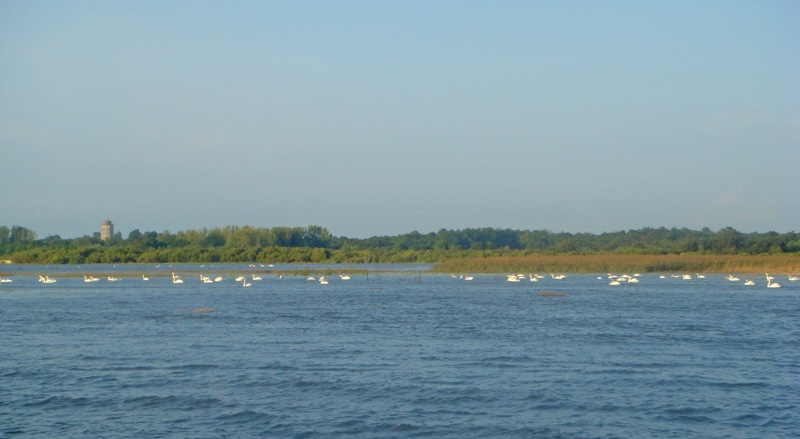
[(570, 264), (577, 264)]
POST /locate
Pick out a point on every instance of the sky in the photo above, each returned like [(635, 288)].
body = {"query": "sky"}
[(385, 117)]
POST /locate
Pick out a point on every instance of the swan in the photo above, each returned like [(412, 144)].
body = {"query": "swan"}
[(245, 283), (769, 277), (323, 281), (4, 280), (344, 277), (770, 284), (177, 280), (732, 278), (559, 277), (239, 278), (687, 277), (749, 282), (701, 276), (256, 277), (218, 279), (793, 278), (614, 282), (112, 279), (310, 278), (533, 278), (145, 277)]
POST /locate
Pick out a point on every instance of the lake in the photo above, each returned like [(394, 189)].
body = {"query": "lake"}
[(395, 354)]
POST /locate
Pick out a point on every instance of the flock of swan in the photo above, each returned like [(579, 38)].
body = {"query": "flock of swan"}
[(613, 279), (729, 277)]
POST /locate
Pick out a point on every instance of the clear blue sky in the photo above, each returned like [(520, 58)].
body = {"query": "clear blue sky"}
[(383, 117)]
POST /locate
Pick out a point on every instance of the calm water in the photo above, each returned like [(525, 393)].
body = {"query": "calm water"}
[(392, 357)]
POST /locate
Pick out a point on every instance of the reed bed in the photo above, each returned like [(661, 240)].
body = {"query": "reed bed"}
[(778, 264)]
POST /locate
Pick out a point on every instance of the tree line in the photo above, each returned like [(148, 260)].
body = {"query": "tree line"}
[(316, 244)]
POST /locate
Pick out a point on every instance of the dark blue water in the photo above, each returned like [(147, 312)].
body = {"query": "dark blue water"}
[(392, 357)]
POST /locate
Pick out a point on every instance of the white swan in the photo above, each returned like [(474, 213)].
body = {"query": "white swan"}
[(770, 284), (323, 281), (793, 278), (732, 278), (46, 280), (112, 279), (176, 279), (218, 279), (145, 277), (469, 278), (245, 283), (256, 277), (344, 277), (748, 282)]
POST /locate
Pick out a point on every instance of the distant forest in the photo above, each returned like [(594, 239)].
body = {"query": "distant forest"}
[(314, 244)]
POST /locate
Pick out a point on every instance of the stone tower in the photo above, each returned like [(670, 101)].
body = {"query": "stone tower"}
[(106, 230)]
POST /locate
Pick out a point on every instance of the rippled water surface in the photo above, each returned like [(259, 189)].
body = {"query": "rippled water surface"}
[(397, 355)]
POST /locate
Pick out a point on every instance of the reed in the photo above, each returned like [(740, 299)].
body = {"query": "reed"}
[(613, 263)]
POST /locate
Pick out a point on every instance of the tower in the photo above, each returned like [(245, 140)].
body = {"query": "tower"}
[(106, 230)]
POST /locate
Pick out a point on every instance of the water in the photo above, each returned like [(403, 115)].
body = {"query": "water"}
[(392, 357)]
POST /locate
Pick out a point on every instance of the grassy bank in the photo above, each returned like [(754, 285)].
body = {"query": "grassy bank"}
[(779, 264)]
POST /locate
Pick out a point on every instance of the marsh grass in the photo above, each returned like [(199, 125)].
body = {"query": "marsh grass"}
[(623, 263)]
